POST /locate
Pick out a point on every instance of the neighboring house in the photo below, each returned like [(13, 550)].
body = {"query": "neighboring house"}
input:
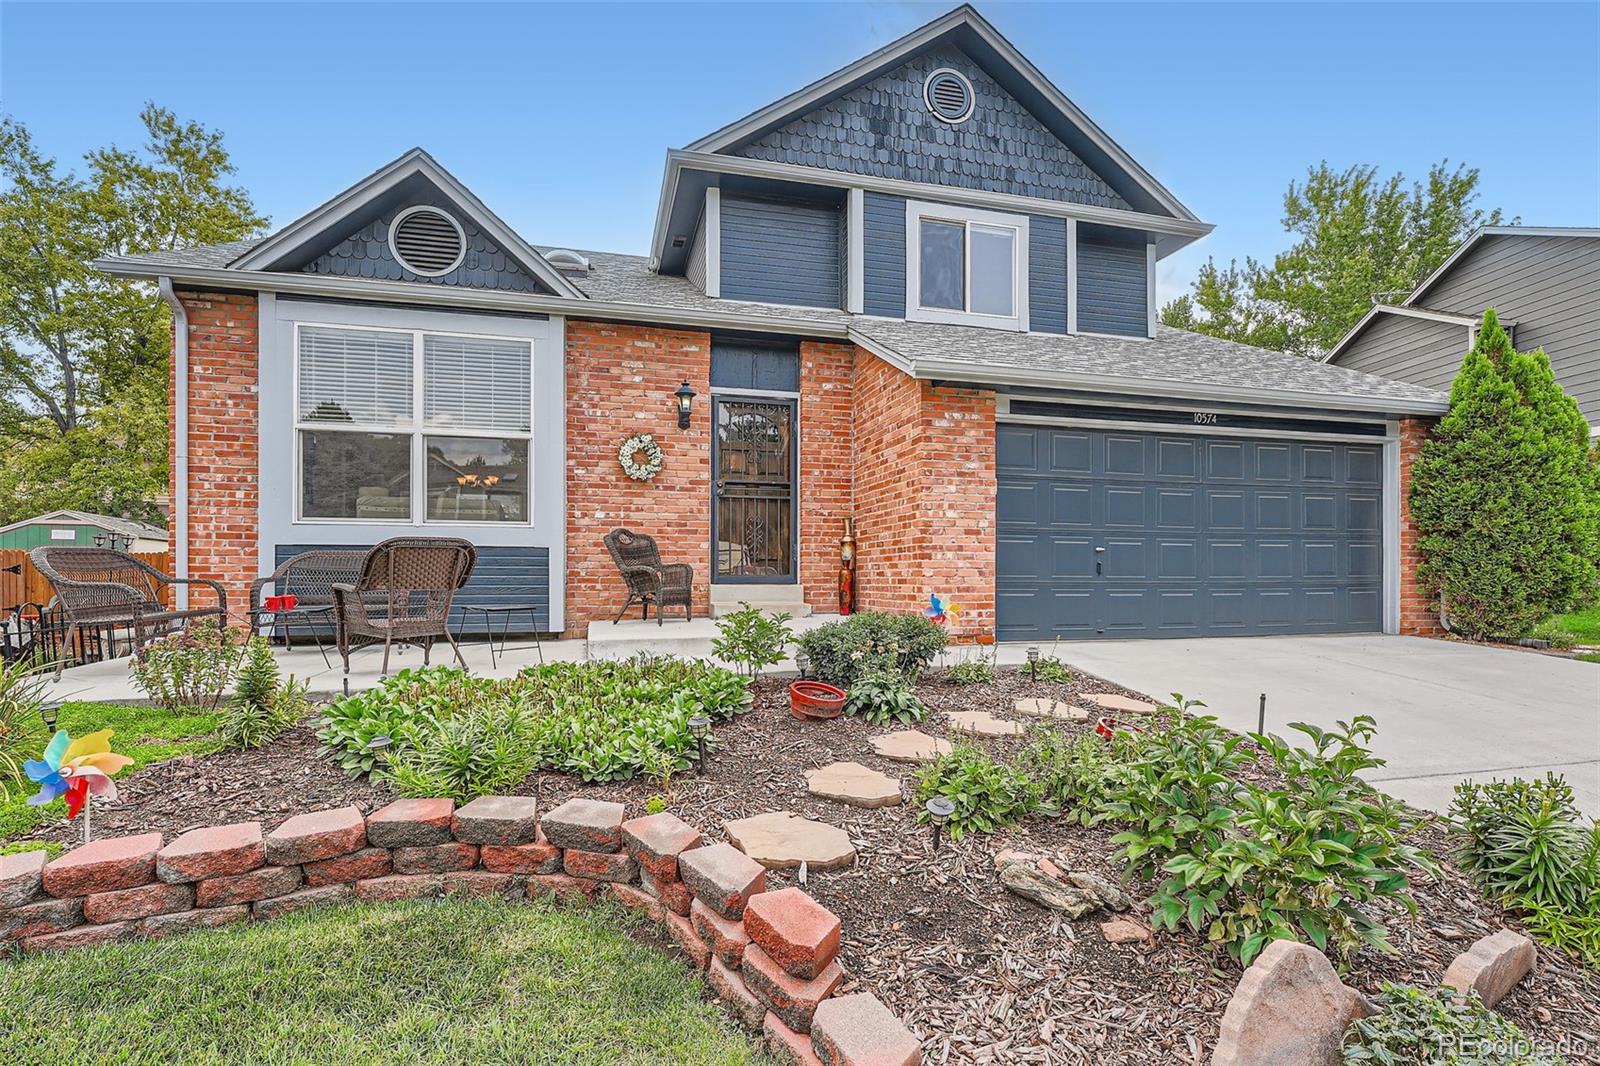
[(1543, 283), (918, 293), (81, 529)]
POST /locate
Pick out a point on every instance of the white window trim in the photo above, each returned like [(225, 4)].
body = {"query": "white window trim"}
[(415, 428), (916, 212)]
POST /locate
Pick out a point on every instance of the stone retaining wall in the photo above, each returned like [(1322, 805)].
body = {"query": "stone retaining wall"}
[(770, 955)]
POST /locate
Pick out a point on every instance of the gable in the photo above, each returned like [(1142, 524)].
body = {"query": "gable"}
[(884, 128), (365, 253)]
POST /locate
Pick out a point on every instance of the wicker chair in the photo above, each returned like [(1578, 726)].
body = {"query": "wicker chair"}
[(403, 593), (98, 588), (310, 577), (649, 581)]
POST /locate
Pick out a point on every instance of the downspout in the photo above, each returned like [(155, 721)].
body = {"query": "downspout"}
[(180, 432)]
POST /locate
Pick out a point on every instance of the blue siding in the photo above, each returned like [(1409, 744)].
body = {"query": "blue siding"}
[(1047, 274), (366, 254), (505, 575), (780, 252), (884, 255), (754, 363), (1111, 287), (884, 129)]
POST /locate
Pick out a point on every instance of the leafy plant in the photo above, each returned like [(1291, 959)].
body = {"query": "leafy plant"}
[(189, 669), (486, 748), (1438, 1027), (842, 650), (397, 708), (22, 730), (978, 670), (752, 639), (988, 795), (262, 705), (1050, 668), (655, 804), (882, 696), (1077, 776)]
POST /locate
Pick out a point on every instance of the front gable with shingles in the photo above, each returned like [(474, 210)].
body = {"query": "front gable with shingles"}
[(366, 253)]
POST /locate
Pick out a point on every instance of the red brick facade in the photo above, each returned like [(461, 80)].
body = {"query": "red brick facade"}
[(826, 466), (224, 441), (1419, 614)]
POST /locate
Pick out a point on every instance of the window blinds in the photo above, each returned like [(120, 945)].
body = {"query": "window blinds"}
[(361, 376), (476, 384)]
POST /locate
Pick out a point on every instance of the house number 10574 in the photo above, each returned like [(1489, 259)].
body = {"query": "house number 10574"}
[(1205, 418)]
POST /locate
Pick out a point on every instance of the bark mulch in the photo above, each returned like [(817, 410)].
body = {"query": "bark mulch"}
[(981, 975)]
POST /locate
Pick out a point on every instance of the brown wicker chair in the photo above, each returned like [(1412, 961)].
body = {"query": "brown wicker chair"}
[(403, 594), (310, 576), (98, 588), (649, 581)]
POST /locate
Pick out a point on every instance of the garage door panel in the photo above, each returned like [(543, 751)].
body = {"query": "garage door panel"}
[(1199, 535)]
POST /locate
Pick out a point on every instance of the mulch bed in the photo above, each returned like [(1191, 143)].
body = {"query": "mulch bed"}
[(983, 976)]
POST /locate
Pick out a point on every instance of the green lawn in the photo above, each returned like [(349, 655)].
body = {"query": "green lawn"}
[(1585, 625), (453, 981), (144, 734)]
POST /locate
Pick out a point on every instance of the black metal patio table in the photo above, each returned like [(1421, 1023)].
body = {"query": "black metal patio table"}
[(260, 616), (489, 610)]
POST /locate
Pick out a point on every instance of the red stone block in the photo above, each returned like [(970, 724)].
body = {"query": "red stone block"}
[(693, 945), (481, 884), (563, 888), (859, 1030), (220, 851), (411, 823), (326, 896), (731, 987), (790, 1047), (503, 820), (674, 895), (722, 877), (795, 931), (638, 901), (84, 936), (585, 824), (540, 857), (727, 938), (599, 865), (435, 858), (357, 866), (161, 925), (103, 866), (790, 998), (313, 837), (127, 904), (656, 840), (36, 919), (398, 887), (264, 883), (21, 878)]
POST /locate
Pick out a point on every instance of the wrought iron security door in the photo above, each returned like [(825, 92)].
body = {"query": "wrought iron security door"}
[(753, 462)]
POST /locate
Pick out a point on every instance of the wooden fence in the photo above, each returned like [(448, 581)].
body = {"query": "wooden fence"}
[(30, 586)]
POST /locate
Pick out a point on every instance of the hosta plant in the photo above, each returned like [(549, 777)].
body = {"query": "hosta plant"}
[(882, 696), (1438, 1027)]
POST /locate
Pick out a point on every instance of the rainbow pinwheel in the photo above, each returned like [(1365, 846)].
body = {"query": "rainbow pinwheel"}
[(75, 768), (940, 611)]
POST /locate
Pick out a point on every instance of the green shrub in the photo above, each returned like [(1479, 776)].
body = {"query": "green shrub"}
[(1506, 494), (1437, 1027), (751, 639), (262, 705), (22, 731), (485, 748), (1077, 776), (189, 669), (1552, 632), (978, 670), (883, 695), (1050, 668), (988, 795), (397, 708), (839, 651)]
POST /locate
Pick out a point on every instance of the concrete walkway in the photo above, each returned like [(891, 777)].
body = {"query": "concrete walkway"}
[(1446, 712)]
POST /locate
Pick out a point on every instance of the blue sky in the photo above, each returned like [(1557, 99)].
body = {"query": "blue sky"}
[(558, 116)]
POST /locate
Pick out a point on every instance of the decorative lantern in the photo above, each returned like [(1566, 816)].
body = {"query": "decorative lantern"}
[(700, 727), (939, 809), (1033, 663), (685, 397)]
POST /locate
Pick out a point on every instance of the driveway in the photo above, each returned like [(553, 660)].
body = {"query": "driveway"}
[(1445, 712)]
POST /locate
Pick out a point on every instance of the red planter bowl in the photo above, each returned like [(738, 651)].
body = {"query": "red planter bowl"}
[(813, 699)]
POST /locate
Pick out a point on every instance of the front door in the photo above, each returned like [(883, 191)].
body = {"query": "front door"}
[(753, 470)]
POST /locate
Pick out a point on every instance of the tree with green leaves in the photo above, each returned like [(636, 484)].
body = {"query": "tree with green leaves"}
[(1506, 495), (1359, 240), (83, 357)]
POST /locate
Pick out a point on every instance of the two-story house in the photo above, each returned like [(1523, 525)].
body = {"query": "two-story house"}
[(918, 293)]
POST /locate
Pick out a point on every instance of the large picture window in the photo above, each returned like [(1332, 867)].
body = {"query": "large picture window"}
[(966, 266), (409, 426)]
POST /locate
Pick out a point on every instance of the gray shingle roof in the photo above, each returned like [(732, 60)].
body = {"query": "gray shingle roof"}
[(1173, 356), (208, 256), (127, 526)]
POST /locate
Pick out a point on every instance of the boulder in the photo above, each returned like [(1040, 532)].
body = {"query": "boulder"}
[(1492, 966), (1289, 1009), (1032, 883)]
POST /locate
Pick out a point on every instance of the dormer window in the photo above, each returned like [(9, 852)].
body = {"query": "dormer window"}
[(966, 266)]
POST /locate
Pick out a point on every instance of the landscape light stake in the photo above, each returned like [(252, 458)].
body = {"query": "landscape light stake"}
[(939, 809), (1033, 664), (47, 712), (1261, 715), (700, 725), (802, 663)]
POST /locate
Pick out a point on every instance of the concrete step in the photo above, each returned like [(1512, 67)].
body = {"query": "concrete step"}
[(772, 598), (621, 640)]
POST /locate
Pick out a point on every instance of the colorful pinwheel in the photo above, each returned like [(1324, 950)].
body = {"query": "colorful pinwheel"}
[(75, 768), (939, 611)]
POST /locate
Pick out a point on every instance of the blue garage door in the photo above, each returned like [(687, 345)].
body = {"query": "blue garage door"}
[(1104, 533)]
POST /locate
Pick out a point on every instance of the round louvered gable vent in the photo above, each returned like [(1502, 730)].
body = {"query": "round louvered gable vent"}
[(427, 241), (948, 95)]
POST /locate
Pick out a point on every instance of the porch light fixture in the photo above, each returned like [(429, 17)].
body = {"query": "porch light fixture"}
[(1033, 663), (699, 726), (939, 809), (685, 397)]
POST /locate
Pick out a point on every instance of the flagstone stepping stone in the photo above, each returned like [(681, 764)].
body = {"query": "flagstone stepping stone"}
[(852, 783), (782, 841), (984, 724), (1040, 707), (908, 745), (1111, 701)]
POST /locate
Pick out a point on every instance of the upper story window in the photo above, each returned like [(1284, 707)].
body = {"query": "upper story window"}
[(409, 426), (966, 266)]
